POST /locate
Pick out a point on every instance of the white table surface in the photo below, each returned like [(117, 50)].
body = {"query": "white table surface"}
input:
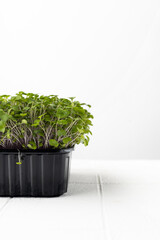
[(118, 199)]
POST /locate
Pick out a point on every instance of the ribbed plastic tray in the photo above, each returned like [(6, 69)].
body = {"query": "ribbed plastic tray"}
[(41, 174)]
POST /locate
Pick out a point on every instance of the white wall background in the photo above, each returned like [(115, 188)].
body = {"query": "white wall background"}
[(106, 53)]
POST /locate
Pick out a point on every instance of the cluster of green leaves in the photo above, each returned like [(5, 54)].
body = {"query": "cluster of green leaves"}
[(32, 121)]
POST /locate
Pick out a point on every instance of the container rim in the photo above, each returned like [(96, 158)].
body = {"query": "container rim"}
[(40, 151)]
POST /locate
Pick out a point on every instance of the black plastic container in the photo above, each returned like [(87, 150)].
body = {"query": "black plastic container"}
[(41, 174)]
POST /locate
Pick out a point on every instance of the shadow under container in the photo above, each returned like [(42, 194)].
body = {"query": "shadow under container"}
[(42, 173)]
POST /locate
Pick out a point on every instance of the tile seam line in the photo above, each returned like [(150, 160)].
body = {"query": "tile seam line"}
[(4, 205), (105, 224)]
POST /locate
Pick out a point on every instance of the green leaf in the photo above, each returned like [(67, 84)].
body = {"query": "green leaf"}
[(53, 142), (72, 98), (36, 123), (40, 144), (41, 116), (62, 121), (80, 130), (32, 145), (61, 113), (18, 163), (89, 122), (2, 126), (85, 142), (26, 108), (79, 110), (12, 113), (3, 116), (18, 97), (47, 118), (23, 114), (67, 139), (82, 137), (24, 121), (91, 116), (5, 96), (61, 132), (38, 132), (8, 134)]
